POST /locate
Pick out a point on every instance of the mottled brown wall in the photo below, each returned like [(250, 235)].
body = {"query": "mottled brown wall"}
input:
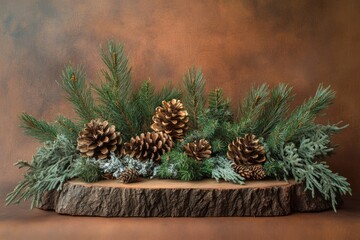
[(237, 44)]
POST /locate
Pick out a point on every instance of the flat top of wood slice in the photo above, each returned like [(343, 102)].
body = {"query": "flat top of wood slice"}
[(168, 183)]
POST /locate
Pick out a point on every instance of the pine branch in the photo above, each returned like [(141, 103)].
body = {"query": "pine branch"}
[(39, 129), (73, 82), (252, 108), (67, 128), (219, 108), (118, 73), (167, 93), (115, 92), (301, 119), (274, 110), (194, 99), (146, 103)]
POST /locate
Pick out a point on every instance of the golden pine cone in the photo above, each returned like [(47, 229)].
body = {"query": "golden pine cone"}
[(171, 118), (149, 146), (198, 149), (246, 151), (98, 140), (129, 175), (255, 172)]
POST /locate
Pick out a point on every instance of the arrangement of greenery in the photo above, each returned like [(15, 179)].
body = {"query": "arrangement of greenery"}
[(178, 133)]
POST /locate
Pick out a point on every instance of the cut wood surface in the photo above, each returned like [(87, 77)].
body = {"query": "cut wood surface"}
[(172, 198)]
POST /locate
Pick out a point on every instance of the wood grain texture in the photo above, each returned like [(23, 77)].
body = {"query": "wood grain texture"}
[(170, 198)]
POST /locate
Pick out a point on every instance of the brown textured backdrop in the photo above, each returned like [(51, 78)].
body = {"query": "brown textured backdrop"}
[(237, 44)]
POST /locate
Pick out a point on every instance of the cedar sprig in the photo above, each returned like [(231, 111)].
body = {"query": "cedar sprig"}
[(48, 170)]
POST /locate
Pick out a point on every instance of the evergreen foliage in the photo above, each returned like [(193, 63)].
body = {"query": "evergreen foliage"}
[(87, 169), (116, 166), (222, 169), (115, 91), (274, 110), (300, 120), (300, 160), (219, 107), (194, 98), (147, 99), (39, 129), (67, 128), (79, 94), (252, 108), (294, 143), (177, 165), (48, 170)]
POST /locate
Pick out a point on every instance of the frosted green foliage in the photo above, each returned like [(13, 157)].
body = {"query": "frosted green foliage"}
[(222, 169), (316, 175), (145, 169), (116, 166), (113, 166), (48, 170), (87, 169)]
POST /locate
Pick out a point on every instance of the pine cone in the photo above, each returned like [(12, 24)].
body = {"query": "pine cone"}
[(198, 149), (171, 118), (129, 175), (246, 151), (108, 176), (255, 172), (149, 146), (98, 139), (258, 172)]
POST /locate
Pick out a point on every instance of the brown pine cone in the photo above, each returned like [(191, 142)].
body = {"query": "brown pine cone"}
[(246, 151), (149, 146), (171, 118), (258, 172), (199, 150), (255, 172), (98, 140), (129, 175)]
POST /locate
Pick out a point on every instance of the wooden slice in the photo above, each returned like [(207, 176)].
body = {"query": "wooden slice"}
[(172, 198)]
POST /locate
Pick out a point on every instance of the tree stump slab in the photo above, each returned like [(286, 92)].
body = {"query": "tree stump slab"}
[(172, 198)]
